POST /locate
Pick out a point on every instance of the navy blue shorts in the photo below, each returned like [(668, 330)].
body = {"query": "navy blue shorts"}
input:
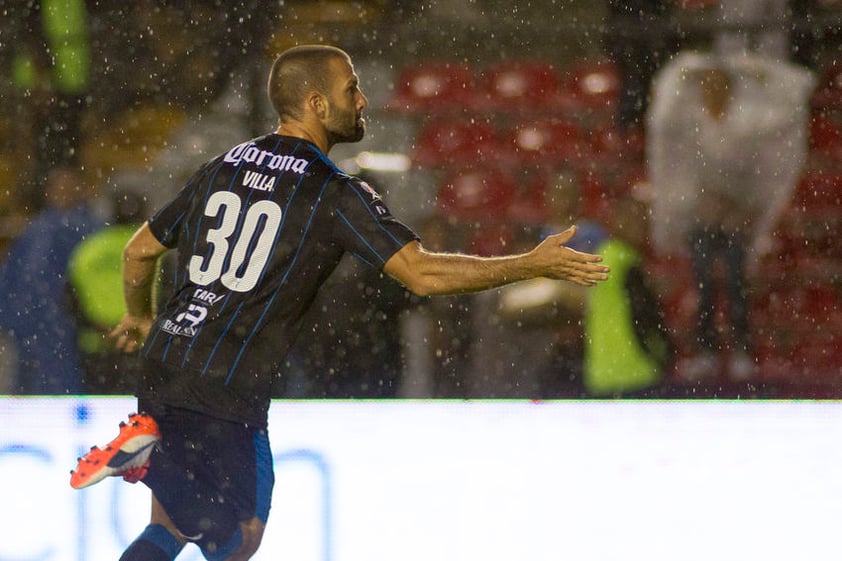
[(209, 474)]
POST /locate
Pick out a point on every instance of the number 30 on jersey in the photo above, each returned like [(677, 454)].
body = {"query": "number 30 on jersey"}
[(249, 248)]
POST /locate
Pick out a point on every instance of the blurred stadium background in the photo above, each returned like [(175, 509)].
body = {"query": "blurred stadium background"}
[(162, 85), (515, 87)]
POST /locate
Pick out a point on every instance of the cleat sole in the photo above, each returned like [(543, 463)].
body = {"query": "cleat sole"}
[(129, 452)]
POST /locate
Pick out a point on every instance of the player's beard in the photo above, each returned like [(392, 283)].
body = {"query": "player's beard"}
[(345, 127)]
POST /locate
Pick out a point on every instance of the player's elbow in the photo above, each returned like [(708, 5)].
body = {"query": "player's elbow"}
[(403, 266), (143, 247), (134, 254), (414, 282), (421, 272), (421, 286)]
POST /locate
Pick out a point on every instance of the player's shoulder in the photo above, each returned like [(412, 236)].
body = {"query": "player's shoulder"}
[(356, 185), (358, 193)]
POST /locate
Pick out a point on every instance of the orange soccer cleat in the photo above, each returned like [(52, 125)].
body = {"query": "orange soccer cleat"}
[(127, 455)]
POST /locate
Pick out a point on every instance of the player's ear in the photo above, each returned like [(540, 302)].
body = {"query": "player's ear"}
[(317, 103)]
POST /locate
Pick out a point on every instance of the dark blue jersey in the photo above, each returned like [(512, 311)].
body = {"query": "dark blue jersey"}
[(258, 230)]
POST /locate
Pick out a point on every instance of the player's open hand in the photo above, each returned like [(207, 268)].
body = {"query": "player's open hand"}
[(563, 263), (130, 333)]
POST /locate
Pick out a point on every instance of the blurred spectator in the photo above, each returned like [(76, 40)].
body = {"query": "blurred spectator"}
[(52, 65), (513, 335), (754, 26), (182, 54), (804, 37), (549, 314), (33, 287), (350, 342), (563, 203), (8, 364), (638, 39), (448, 335), (95, 275), (726, 146), (627, 347), (349, 345), (452, 339)]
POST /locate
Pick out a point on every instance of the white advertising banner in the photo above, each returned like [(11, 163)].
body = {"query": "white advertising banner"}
[(487, 480)]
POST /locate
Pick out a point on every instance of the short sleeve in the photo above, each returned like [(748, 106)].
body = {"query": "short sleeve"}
[(364, 225), (165, 224)]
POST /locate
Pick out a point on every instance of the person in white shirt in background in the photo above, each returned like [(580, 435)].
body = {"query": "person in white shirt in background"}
[(727, 138)]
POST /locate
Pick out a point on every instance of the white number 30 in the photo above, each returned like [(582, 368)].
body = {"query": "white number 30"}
[(251, 249)]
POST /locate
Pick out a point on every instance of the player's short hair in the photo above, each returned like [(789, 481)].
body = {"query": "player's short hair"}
[(296, 73)]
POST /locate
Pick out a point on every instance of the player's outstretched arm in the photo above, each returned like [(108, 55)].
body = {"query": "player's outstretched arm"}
[(427, 273), (139, 269)]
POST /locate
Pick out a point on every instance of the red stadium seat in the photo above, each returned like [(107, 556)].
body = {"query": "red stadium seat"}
[(613, 147), (434, 86), (826, 137), (475, 194), (490, 239), (529, 205), (593, 87), (697, 5), (520, 85), (673, 283), (819, 193), (812, 307), (812, 223), (442, 143), (548, 141), (596, 196), (803, 359), (828, 94)]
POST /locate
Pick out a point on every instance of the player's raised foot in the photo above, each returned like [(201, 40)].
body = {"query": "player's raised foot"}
[(127, 455)]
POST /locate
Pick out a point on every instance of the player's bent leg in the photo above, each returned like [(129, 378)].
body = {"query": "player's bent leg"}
[(159, 541), (161, 518), (209, 524), (251, 532), (155, 543), (216, 493)]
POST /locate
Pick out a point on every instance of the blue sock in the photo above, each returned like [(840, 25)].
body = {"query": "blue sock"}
[(155, 543), (223, 551)]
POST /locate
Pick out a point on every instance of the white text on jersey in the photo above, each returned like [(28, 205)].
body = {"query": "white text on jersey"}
[(248, 152), (259, 181)]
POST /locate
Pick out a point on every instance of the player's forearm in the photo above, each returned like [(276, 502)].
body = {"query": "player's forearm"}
[(427, 274), (140, 260), (138, 280), (443, 273)]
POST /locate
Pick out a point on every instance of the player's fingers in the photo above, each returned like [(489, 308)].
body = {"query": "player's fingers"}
[(124, 339), (116, 332), (120, 341), (588, 274), (582, 256), (582, 282), (593, 271)]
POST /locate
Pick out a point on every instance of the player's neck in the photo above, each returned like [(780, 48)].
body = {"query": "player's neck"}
[(300, 129)]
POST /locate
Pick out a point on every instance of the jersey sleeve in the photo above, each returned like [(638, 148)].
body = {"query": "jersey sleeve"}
[(165, 224), (365, 227)]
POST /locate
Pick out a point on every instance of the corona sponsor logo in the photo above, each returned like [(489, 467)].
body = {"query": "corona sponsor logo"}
[(248, 152)]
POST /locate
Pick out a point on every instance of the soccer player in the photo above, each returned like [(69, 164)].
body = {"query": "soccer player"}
[(258, 230)]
